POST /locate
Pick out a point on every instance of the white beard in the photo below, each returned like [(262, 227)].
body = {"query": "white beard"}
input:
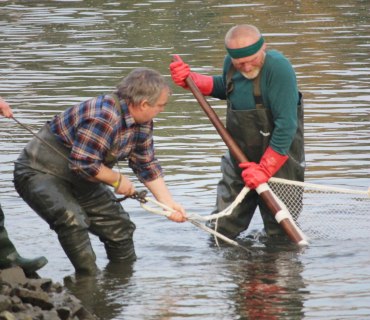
[(256, 71), (252, 74)]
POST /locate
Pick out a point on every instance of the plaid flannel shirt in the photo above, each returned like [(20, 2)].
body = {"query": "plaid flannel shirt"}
[(95, 130)]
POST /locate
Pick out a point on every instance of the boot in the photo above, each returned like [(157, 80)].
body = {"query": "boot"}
[(122, 251), (9, 257), (77, 246)]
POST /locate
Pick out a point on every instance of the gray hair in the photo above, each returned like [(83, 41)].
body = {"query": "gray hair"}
[(141, 84), (242, 31)]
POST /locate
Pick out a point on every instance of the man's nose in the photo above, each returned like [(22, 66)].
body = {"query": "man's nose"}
[(247, 67)]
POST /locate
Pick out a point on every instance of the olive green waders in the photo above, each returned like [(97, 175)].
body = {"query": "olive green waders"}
[(252, 130)]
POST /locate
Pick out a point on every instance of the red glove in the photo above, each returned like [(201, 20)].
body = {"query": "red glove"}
[(254, 174), (180, 71)]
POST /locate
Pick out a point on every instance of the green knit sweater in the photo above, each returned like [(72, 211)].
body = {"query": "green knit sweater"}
[(279, 92)]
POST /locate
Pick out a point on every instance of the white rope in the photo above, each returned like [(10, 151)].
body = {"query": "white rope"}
[(228, 210), (319, 187), (195, 218), (167, 211), (284, 213)]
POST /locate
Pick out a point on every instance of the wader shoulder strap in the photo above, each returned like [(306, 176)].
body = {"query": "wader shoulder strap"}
[(110, 159), (257, 92), (256, 86), (229, 82)]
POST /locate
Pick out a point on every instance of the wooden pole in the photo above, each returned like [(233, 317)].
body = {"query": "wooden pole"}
[(287, 223)]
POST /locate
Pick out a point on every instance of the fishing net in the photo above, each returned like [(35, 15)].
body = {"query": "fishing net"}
[(319, 212), (325, 212)]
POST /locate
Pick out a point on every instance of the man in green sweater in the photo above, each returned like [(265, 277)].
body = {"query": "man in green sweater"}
[(264, 116)]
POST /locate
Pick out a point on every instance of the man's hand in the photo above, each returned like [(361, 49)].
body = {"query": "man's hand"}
[(125, 186), (179, 215), (255, 174), (5, 109), (179, 71)]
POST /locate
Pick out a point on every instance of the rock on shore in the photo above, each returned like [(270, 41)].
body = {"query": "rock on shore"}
[(23, 298)]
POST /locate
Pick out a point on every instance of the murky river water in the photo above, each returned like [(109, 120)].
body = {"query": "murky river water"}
[(57, 53)]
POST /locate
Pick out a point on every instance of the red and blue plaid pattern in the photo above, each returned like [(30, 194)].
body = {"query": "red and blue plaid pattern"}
[(95, 129)]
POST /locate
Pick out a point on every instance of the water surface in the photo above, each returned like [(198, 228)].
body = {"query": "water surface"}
[(57, 53)]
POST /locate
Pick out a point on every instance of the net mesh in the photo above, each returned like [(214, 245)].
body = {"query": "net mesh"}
[(324, 212)]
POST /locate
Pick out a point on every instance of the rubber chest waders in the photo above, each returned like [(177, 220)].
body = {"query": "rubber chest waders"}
[(72, 205), (252, 130)]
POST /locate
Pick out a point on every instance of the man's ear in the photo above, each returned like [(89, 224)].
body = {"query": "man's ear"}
[(144, 105)]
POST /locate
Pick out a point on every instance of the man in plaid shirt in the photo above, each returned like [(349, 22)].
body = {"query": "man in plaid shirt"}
[(69, 188)]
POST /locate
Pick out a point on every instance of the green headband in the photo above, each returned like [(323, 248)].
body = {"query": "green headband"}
[(246, 51)]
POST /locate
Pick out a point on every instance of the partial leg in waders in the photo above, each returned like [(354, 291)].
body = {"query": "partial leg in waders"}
[(9, 256)]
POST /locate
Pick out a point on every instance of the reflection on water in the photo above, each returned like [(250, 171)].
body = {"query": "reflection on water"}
[(273, 285), (57, 53), (104, 294)]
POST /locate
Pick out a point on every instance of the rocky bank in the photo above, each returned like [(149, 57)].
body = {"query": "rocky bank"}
[(24, 298)]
